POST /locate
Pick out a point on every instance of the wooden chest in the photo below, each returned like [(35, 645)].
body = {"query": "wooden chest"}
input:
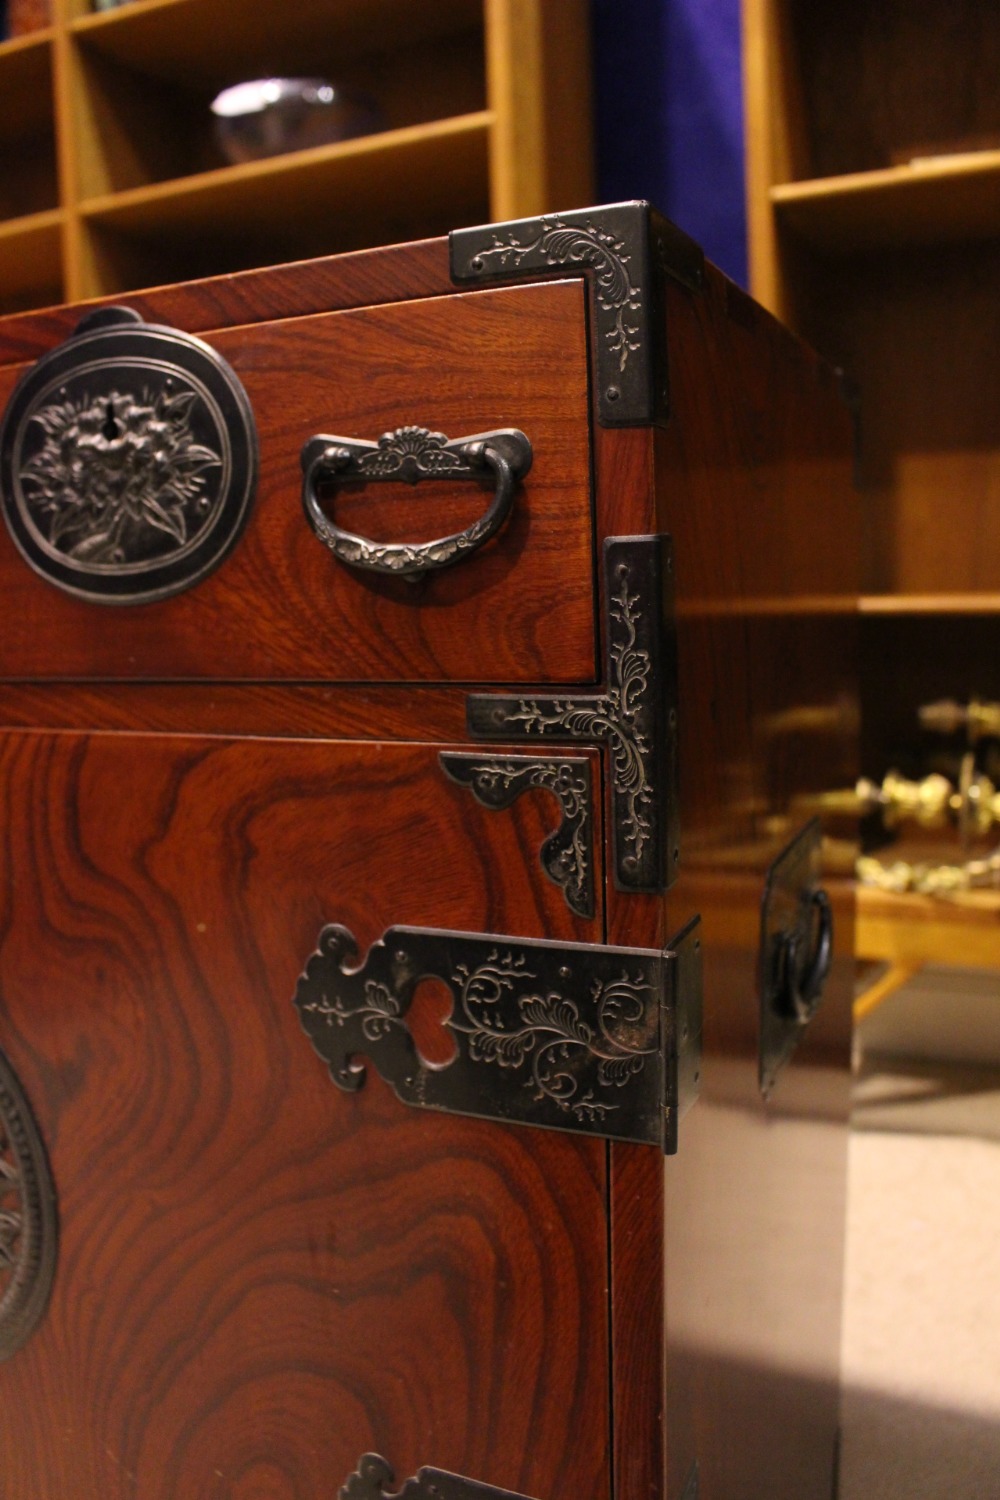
[(545, 1190)]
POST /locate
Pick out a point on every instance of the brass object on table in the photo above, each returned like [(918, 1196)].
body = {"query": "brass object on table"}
[(932, 802), (928, 879), (980, 720)]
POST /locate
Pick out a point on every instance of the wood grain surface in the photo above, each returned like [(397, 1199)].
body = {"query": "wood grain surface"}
[(280, 606), (260, 1277), (393, 274)]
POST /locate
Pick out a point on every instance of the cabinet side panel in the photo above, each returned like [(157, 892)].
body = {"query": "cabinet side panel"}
[(754, 486)]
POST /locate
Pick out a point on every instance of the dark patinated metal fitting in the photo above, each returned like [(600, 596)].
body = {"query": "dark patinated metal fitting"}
[(626, 251), (373, 1480), (569, 1036), (28, 1218), (128, 461), (411, 454), (496, 782), (796, 950), (634, 716)]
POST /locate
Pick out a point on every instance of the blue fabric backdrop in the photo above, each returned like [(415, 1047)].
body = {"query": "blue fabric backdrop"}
[(669, 116)]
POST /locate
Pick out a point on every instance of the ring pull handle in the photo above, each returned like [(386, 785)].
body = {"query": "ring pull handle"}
[(412, 454), (804, 958)]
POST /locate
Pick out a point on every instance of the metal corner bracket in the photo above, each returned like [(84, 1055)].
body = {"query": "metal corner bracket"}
[(627, 251), (496, 782), (581, 1037), (634, 715)]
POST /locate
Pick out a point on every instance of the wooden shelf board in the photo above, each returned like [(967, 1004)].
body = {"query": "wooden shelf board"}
[(191, 41), (30, 254), (936, 200), (367, 170), (18, 46), (930, 604), (915, 929)]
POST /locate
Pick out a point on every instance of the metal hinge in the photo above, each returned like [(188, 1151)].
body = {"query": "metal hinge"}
[(635, 715), (568, 1036), (373, 1480)]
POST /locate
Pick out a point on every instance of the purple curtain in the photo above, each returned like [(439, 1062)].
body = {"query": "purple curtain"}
[(669, 116)]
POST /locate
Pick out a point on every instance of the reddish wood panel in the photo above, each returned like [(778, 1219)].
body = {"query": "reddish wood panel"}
[(392, 274), (344, 711), (281, 607), (260, 1277), (753, 482)]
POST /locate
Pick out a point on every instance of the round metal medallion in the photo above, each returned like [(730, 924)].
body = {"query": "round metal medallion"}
[(28, 1226), (128, 460)]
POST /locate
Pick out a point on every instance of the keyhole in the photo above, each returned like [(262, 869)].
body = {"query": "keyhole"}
[(426, 1018), (110, 430)]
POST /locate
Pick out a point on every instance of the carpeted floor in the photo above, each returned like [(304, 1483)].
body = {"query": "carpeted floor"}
[(921, 1406)]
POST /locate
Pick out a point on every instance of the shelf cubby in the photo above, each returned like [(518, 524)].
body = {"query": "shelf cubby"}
[(485, 113)]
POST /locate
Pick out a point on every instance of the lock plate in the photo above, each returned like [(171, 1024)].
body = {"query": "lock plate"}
[(569, 1036), (128, 461)]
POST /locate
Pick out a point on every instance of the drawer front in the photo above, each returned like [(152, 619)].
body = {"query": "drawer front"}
[(281, 606), (260, 1277)]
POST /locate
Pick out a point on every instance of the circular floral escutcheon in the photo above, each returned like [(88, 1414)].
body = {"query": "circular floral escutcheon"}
[(128, 460), (28, 1224)]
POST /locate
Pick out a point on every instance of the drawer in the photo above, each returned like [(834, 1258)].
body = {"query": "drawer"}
[(280, 606)]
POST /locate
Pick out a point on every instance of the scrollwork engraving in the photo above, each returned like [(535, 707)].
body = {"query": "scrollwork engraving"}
[(545, 1034), (560, 244), (496, 782)]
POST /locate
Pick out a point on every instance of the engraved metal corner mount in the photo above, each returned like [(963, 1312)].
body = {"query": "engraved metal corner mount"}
[(28, 1218), (373, 1480), (580, 1037), (496, 782), (635, 716), (627, 250)]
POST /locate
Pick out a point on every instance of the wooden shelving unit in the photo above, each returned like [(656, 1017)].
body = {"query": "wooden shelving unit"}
[(873, 170), (110, 177)]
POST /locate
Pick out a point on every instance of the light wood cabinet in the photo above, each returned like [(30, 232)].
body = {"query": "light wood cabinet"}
[(873, 165), (110, 178)]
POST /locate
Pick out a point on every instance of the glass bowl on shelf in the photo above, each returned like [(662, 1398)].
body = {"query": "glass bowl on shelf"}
[(269, 116)]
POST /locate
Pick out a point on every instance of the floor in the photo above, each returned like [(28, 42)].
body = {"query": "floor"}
[(921, 1409)]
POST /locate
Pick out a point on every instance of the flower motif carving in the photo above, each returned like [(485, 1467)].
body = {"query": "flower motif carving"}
[(119, 478), (510, 1020), (412, 453)]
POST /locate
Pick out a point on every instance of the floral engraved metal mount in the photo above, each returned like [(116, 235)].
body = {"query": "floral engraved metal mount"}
[(128, 460), (373, 1480), (573, 1036), (496, 782), (635, 716), (411, 454), (626, 250), (28, 1226)]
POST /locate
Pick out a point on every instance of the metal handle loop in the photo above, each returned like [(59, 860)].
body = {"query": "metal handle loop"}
[(805, 959), (411, 454)]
